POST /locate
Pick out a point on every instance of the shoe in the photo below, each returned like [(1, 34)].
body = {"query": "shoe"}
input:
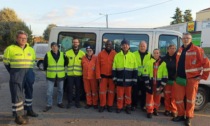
[(95, 106), (118, 110), (178, 119), (60, 105), (31, 113), (133, 108), (109, 108), (188, 122), (101, 109), (20, 120), (155, 112), (173, 114), (143, 109), (68, 106), (88, 106), (47, 108), (166, 113), (149, 115), (128, 109), (78, 105)]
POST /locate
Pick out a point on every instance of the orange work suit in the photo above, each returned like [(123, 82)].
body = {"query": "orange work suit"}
[(196, 65), (121, 91), (104, 72), (169, 100), (89, 79)]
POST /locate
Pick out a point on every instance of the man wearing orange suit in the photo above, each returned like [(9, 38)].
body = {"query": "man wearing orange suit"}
[(192, 66), (104, 76), (89, 78)]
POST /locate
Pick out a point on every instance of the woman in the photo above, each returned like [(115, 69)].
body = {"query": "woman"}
[(155, 74), (170, 104), (89, 78)]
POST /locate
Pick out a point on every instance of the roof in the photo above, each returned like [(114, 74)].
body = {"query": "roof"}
[(207, 9)]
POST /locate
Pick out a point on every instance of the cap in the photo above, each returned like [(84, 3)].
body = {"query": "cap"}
[(89, 47), (54, 43), (124, 41)]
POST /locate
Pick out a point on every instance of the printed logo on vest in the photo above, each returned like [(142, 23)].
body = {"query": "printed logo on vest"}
[(194, 62)]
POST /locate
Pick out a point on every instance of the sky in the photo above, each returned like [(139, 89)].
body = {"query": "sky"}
[(38, 14)]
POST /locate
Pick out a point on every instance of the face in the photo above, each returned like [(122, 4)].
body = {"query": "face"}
[(186, 39), (54, 48), (89, 52), (108, 46), (156, 54), (125, 47), (143, 47), (171, 50), (21, 39), (75, 43)]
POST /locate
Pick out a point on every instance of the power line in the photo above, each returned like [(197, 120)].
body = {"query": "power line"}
[(140, 8), (90, 21)]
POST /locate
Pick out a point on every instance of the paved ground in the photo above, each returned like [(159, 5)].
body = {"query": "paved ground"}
[(80, 117)]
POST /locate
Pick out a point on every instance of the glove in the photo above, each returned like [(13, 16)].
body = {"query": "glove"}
[(159, 90), (148, 89)]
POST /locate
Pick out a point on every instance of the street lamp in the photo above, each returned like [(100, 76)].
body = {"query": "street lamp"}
[(106, 19)]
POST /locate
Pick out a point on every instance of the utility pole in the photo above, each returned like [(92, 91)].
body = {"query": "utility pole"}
[(106, 15)]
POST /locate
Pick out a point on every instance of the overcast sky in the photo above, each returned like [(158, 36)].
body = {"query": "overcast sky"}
[(85, 13)]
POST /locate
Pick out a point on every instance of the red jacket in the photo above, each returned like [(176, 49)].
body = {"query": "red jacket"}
[(196, 63), (104, 63), (88, 67)]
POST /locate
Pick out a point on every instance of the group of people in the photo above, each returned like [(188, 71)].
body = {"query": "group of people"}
[(125, 74)]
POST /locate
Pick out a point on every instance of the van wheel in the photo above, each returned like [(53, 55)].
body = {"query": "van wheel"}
[(40, 65), (201, 99)]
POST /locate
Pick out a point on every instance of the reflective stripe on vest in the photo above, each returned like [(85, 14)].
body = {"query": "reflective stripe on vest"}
[(193, 70), (54, 68)]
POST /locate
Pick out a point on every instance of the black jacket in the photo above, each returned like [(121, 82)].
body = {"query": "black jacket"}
[(171, 66)]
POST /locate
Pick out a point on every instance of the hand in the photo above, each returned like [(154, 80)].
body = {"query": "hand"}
[(198, 78)]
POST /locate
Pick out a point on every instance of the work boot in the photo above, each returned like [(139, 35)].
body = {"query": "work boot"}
[(101, 109), (128, 109), (31, 113), (47, 108), (166, 113), (60, 105), (88, 106), (109, 108), (149, 115), (20, 120), (155, 112), (178, 119), (118, 110), (133, 108), (188, 122), (95, 106)]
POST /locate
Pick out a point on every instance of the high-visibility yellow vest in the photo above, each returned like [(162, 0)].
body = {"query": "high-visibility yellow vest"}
[(125, 69), (141, 64), (75, 63), (55, 68), (162, 73), (17, 57)]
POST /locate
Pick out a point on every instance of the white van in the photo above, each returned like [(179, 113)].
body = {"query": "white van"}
[(97, 37), (40, 50)]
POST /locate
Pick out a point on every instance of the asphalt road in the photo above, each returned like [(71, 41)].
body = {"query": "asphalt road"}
[(81, 116)]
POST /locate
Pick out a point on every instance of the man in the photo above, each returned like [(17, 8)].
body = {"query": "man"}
[(104, 75), (19, 61), (54, 63), (74, 73), (142, 57), (155, 76), (192, 66), (169, 101), (124, 76), (89, 78)]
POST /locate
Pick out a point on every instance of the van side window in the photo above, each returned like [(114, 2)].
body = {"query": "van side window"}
[(116, 39), (86, 39), (164, 41)]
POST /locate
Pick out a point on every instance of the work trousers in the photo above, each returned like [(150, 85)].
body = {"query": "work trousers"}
[(123, 96), (91, 90), (169, 98)]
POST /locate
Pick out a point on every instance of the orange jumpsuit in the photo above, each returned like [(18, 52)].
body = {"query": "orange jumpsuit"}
[(195, 65), (89, 79), (104, 72)]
